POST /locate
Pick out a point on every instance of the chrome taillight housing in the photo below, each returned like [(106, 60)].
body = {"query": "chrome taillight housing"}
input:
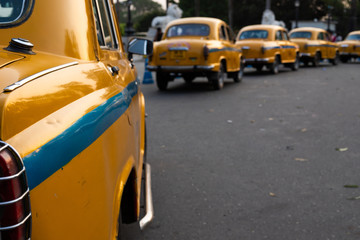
[(15, 213), (206, 52)]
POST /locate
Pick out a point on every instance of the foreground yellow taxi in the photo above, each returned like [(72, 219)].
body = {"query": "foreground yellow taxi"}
[(350, 47), (72, 122), (267, 45), (192, 47), (315, 45)]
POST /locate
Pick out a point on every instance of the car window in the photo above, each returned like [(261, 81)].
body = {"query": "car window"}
[(188, 30), (321, 36), (353, 37), (254, 34), (306, 35), (104, 24), (223, 33), (14, 11), (230, 33), (278, 36), (285, 36)]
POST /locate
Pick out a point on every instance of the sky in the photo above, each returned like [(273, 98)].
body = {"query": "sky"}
[(162, 2)]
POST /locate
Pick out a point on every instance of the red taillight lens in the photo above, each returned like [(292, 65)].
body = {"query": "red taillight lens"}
[(15, 214), (206, 52)]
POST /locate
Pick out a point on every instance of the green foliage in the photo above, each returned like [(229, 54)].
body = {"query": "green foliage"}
[(142, 23), (249, 12)]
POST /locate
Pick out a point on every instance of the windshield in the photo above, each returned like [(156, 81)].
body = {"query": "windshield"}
[(254, 34), (301, 35), (13, 11), (354, 37), (188, 30)]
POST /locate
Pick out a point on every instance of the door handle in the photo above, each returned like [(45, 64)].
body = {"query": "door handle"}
[(114, 70)]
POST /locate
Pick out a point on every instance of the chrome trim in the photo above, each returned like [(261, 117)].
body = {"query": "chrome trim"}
[(245, 48), (344, 45), (16, 225), (305, 54), (256, 60), (16, 200), (148, 199), (181, 68), (179, 49), (36, 75), (13, 176)]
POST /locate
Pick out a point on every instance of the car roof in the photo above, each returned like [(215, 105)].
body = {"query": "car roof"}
[(262, 27), (308, 29), (189, 20)]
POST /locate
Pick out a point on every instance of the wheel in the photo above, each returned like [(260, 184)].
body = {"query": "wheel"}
[(217, 78), (344, 59), (259, 68), (335, 60), (295, 65), (162, 80), (239, 75), (188, 78), (274, 68), (316, 60)]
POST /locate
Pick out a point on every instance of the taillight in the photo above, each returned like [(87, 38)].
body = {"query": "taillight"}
[(354, 47), (262, 49), (15, 214), (206, 52)]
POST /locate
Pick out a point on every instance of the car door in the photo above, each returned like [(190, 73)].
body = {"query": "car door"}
[(323, 44), (290, 50), (226, 46), (283, 45)]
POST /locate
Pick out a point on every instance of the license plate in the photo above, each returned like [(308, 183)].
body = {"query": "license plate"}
[(177, 54)]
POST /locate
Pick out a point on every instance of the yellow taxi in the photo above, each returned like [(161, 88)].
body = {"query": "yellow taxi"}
[(72, 128), (267, 45), (350, 47), (193, 47), (315, 45)]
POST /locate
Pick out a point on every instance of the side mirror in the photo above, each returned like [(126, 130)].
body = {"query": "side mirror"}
[(140, 46)]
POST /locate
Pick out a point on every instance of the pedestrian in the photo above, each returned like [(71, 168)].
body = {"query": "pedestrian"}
[(158, 34)]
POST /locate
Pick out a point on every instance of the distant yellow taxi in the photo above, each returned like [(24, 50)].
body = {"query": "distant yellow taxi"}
[(72, 123), (350, 47), (193, 47), (267, 45), (315, 45)]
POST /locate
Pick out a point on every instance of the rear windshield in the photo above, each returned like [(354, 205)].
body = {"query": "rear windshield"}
[(188, 30), (254, 34), (353, 37), (301, 35), (14, 11)]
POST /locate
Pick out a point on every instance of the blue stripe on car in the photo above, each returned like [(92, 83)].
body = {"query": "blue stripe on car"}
[(55, 154)]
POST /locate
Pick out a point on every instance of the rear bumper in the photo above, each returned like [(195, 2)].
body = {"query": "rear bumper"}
[(199, 68)]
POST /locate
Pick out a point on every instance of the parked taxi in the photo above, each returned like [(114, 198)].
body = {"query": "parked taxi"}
[(72, 122), (193, 47), (269, 46), (315, 45), (350, 47)]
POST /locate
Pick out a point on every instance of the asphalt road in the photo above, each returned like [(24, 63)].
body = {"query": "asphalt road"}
[(274, 157)]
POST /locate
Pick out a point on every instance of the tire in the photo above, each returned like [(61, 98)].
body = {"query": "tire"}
[(335, 60), (239, 75), (188, 78), (316, 60), (217, 78), (295, 65), (259, 68), (162, 80), (274, 68)]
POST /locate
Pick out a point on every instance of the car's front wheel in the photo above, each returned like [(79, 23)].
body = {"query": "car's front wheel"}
[(335, 60), (162, 80), (295, 65), (316, 60)]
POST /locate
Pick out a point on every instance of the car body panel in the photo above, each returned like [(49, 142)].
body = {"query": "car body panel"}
[(262, 51), (350, 47), (193, 49), (318, 42), (79, 127)]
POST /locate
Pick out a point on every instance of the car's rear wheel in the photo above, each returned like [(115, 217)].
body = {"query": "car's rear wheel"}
[(335, 60), (259, 68), (162, 80), (217, 78), (188, 78), (316, 60), (274, 68), (295, 65), (239, 75)]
